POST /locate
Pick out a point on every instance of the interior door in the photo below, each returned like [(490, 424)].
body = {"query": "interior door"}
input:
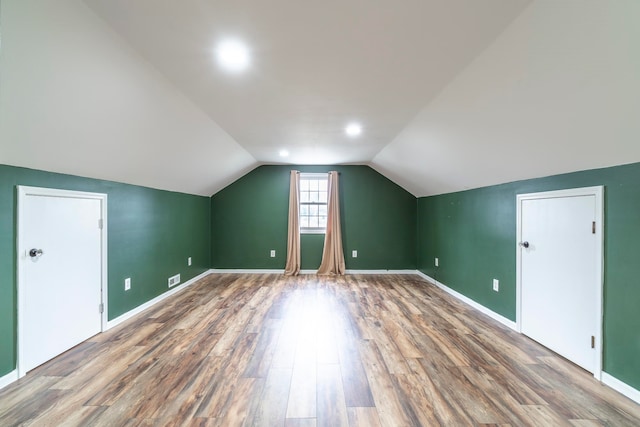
[(560, 285), (60, 257)]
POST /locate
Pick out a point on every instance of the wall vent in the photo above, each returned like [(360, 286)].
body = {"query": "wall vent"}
[(174, 280)]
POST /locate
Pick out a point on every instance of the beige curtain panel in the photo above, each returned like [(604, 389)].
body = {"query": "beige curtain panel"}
[(292, 268), (332, 255)]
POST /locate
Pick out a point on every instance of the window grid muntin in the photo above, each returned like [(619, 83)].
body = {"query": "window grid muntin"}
[(313, 202)]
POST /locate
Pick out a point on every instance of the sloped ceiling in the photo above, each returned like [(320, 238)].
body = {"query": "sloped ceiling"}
[(316, 66), (557, 92), (76, 99), (451, 94)]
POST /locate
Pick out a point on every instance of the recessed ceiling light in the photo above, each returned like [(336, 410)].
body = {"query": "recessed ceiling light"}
[(284, 153), (232, 55), (354, 129)]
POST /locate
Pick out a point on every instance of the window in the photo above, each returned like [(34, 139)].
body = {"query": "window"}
[(313, 202)]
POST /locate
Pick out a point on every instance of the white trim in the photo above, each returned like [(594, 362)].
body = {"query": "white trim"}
[(245, 270), (621, 387), (598, 192), (313, 230), (23, 192), (381, 272), (607, 379), (481, 308), (8, 378), (139, 309), (314, 271), (317, 176)]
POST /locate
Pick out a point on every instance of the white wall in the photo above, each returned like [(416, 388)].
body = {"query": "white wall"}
[(75, 98), (558, 91)]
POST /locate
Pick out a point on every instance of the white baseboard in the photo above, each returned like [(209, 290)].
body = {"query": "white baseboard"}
[(13, 375), (8, 378), (245, 270), (607, 379), (380, 271), (267, 271), (481, 308), (139, 309), (621, 387)]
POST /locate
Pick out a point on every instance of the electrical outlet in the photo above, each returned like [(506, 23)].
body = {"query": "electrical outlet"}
[(437, 262), (273, 253), (354, 254), (127, 283), (496, 285), (189, 261)]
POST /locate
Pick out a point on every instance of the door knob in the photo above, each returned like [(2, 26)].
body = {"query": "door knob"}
[(524, 244), (34, 253)]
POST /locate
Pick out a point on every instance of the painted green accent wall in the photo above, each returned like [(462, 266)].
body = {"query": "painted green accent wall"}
[(151, 233), (473, 233), (249, 218), (311, 247)]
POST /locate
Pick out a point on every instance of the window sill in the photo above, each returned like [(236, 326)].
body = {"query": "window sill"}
[(312, 231)]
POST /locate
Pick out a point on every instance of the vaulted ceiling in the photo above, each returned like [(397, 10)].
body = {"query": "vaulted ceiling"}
[(315, 67), (451, 94)]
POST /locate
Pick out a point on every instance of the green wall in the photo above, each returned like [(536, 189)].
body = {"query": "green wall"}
[(151, 233), (473, 233), (249, 218)]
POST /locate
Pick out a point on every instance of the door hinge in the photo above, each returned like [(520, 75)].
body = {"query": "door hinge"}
[(100, 223), (101, 308), (593, 227), (593, 341)]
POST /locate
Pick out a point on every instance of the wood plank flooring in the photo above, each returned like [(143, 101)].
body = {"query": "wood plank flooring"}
[(269, 350)]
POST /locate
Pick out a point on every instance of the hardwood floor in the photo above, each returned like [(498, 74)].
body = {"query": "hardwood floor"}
[(269, 350)]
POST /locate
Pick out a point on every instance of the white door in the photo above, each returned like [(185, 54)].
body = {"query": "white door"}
[(60, 248), (560, 253)]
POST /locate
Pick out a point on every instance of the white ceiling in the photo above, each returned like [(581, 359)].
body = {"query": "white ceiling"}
[(315, 65), (451, 94), (557, 92)]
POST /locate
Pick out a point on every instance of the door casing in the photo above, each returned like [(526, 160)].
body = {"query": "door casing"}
[(598, 192), (23, 193)]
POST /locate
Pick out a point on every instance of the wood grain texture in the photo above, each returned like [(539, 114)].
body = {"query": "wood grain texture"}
[(269, 350)]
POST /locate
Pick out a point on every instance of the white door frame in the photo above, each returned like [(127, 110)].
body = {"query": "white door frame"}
[(23, 192), (598, 192)]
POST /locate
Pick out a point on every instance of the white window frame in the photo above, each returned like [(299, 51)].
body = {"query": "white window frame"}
[(311, 230)]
